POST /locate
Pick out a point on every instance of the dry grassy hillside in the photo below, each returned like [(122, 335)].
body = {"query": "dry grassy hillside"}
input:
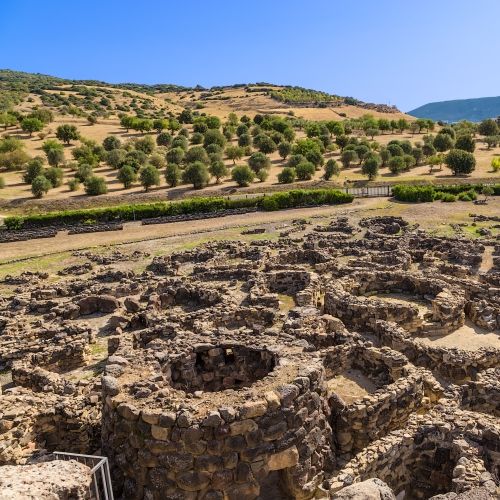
[(73, 103)]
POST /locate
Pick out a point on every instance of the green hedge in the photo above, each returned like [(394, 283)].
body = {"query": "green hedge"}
[(276, 201), (419, 194)]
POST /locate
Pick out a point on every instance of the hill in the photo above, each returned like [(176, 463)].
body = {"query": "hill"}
[(23, 90), (473, 110)]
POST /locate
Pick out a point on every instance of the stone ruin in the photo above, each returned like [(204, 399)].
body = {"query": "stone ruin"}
[(305, 367)]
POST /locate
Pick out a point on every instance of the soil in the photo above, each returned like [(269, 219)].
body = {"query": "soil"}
[(350, 385), (468, 337)]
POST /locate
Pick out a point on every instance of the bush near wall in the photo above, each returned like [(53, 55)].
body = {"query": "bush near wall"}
[(276, 201), (419, 194)]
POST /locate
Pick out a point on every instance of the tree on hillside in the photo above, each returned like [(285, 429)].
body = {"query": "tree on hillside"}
[(172, 174), (67, 133), (443, 142), (460, 162), (402, 125), (341, 141), (149, 176), (331, 168), (95, 186), (40, 186), (127, 176), (175, 155), (127, 122), (111, 142), (164, 139), (159, 125), (370, 166), (347, 157), (287, 175), (397, 164), (31, 125), (466, 143), (234, 153), (305, 171), (218, 170), (242, 175), (7, 120), (284, 149), (34, 168), (488, 127), (258, 161), (196, 174), (197, 153), (55, 175), (214, 136)]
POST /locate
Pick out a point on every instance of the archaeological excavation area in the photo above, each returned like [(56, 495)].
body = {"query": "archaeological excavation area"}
[(353, 359)]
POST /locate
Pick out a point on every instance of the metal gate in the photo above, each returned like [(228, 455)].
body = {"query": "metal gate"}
[(369, 191)]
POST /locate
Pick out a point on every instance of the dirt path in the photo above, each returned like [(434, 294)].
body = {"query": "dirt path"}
[(487, 261), (134, 231)]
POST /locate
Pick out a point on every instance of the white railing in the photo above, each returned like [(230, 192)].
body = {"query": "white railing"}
[(100, 487)]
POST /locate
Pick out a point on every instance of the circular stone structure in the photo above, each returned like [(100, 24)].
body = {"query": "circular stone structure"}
[(216, 419), (347, 299)]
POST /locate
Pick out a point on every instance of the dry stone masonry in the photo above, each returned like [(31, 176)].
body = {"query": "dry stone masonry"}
[(317, 365)]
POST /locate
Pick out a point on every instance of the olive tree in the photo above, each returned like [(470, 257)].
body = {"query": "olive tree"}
[(460, 162)]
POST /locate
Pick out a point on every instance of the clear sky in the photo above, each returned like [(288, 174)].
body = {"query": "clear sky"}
[(401, 52)]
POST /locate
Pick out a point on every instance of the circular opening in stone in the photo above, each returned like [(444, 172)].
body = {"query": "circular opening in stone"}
[(222, 367)]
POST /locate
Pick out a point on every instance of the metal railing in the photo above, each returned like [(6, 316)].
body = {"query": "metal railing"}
[(369, 191), (100, 487)]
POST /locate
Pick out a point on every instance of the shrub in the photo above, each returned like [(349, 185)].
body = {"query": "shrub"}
[(194, 205), (415, 194), (287, 175), (111, 142), (95, 186), (14, 160), (55, 176), (495, 164), (40, 186), (242, 175), (74, 184), (304, 197), (447, 197), (164, 139), (83, 172), (262, 174)]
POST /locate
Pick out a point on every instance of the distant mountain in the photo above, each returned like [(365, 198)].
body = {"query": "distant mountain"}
[(473, 110)]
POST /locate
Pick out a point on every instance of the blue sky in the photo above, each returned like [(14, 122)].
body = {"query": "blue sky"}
[(391, 51)]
